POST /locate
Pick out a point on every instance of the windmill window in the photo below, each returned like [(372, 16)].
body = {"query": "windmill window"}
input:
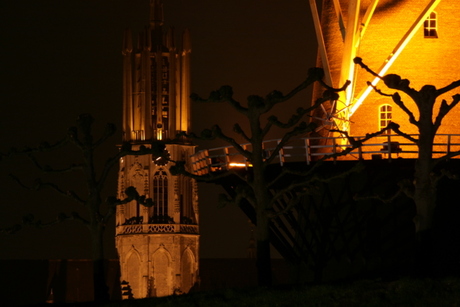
[(385, 116), (430, 26)]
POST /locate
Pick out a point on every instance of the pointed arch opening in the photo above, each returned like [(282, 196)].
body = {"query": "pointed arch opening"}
[(160, 210), (133, 273), (188, 270), (161, 283)]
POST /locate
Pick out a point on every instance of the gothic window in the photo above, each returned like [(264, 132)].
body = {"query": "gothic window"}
[(385, 117), (137, 178), (430, 26), (160, 193), (186, 197)]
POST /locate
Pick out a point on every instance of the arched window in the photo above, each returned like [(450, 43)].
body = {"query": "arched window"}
[(160, 193), (186, 197), (385, 117), (430, 26)]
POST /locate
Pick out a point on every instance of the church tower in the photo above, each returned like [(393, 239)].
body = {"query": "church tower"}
[(416, 39), (158, 246)]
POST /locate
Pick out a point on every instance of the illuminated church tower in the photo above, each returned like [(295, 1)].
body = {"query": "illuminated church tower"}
[(416, 39), (157, 246)]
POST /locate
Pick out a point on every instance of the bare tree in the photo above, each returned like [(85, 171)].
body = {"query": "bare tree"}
[(97, 211), (423, 189), (258, 188)]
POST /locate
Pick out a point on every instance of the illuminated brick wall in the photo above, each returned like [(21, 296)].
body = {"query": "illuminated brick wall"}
[(434, 61)]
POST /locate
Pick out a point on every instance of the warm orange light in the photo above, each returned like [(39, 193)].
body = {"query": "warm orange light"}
[(235, 164)]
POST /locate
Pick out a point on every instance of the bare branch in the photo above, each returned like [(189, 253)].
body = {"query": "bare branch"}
[(224, 94), (11, 230), (359, 61), (444, 109), (156, 149), (395, 127), (39, 185), (131, 194), (405, 187), (49, 169), (392, 81), (109, 131), (242, 192), (397, 100), (43, 147), (306, 184), (446, 157), (72, 134), (329, 94), (237, 129), (301, 129), (179, 168), (276, 97), (353, 142), (217, 131), (30, 221), (448, 88)]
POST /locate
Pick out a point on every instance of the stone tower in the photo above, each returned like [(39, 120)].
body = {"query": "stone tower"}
[(416, 39), (158, 246)]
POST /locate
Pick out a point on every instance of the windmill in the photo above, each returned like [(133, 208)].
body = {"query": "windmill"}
[(352, 25)]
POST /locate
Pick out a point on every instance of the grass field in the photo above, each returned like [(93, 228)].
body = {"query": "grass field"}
[(369, 293)]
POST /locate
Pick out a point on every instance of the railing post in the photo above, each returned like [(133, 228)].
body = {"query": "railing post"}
[(227, 158), (245, 160), (334, 149), (207, 160), (281, 154), (360, 151), (307, 151), (389, 147), (448, 143)]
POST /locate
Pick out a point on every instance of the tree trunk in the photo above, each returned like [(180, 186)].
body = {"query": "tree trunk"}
[(101, 291), (425, 199), (264, 272), (425, 189)]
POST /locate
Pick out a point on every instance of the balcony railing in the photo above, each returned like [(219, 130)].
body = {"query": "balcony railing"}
[(156, 228), (312, 148)]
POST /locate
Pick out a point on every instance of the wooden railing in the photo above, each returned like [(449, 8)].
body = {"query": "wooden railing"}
[(312, 148)]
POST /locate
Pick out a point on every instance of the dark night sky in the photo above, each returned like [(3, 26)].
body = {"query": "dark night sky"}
[(63, 58)]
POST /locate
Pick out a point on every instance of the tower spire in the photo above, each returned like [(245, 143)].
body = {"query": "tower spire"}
[(156, 13)]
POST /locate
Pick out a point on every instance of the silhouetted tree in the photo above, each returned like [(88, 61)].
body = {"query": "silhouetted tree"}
[(423, 189), (98, 211), (258, 185)]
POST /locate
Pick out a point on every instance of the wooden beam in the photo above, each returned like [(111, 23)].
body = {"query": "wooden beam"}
[(366, 19), (338, 12), (347, 69), (321, 43)]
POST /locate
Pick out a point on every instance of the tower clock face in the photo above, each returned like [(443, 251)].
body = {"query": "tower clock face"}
[(163, 159)]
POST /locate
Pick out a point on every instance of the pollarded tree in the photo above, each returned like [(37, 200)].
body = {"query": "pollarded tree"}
[(97, 210), (423, 189), (257, 183)]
